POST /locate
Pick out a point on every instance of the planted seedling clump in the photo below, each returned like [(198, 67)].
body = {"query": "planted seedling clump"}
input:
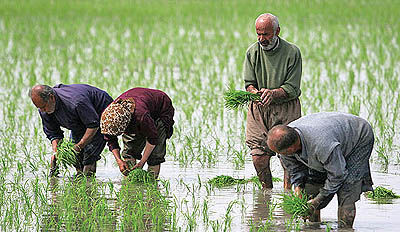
[(295, 205), (235, 99), (223, 181), (66, 154), (380, 193), (139, 175)]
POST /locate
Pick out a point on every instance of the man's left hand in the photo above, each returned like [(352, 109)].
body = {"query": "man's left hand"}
[(320, 202), (139, 165), (314, 203), (269, 95), (77, 148)]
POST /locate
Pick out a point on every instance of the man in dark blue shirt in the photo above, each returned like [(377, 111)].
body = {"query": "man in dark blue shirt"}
[(78, 108)]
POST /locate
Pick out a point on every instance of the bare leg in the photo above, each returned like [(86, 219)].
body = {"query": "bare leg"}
[(262, 166), (155, 170), (346, 215)]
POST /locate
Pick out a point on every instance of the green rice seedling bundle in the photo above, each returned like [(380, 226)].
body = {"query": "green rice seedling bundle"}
[(255, 179), (295, 205), (235, 99), (139, 175), (381, 193), (66, 154), (223, 181)]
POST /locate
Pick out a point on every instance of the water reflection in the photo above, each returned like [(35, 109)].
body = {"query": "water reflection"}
[(142, 207), (79, 204)]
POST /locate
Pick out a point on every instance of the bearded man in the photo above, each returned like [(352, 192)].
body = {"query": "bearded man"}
[(272, 69)]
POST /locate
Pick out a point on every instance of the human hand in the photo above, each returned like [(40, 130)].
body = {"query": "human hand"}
[(314, 203), (78, 148), (266, 96), (139, 165), (298, 191), (123, 167), (270, 95), (252, 89)]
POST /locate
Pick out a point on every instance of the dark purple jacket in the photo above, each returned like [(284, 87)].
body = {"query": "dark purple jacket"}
[(78, 107), (150, 105)]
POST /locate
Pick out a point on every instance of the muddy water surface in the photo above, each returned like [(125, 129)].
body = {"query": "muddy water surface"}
[(251, 206)]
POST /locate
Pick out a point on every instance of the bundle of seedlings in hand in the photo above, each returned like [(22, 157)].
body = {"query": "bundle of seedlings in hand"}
[(139, 175), (223, 181), (66, 154), (295, 204), (380, 193), (235, 99)]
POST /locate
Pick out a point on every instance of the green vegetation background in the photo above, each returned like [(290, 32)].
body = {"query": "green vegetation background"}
[(193, 50)]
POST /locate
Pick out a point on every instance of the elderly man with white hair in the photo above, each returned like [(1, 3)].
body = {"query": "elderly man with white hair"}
[(272, 68)]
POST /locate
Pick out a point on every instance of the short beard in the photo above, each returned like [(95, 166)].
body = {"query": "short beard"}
[(271, 45)]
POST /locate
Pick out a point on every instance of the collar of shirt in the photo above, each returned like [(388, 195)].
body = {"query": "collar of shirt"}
[(58, 101), (303, 155)]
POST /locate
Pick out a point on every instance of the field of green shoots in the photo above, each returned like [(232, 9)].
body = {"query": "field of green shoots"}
[(193, 50)]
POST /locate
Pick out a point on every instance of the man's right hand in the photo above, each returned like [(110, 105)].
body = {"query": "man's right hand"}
[(252, 89), (297, 191), (123, 167)]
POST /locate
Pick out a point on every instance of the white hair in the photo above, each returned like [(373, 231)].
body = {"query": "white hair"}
[(270, 17)]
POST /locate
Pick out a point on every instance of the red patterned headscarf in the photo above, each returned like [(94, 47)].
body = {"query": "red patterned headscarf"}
[(116, 117)]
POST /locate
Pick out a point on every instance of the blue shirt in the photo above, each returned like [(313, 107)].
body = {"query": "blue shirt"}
[(78, 107)]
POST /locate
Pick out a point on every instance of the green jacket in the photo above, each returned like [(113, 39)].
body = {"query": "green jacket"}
[(279, 68)]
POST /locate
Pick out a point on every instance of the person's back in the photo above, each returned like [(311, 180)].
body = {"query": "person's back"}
[(330, 129), (76, 107), (327, 154)]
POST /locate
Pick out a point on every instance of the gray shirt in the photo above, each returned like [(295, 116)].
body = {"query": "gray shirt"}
[(327, 140)]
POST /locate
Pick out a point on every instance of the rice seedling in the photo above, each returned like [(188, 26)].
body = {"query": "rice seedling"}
[(236, 99), (328, 227), (66, 154), (292, 224), (227, 216), (295, 204), (139, 175), (223, 181), (255, 179), (382, 193), (113, 47)]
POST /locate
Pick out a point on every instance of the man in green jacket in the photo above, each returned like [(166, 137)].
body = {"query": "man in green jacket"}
[(272, 68)]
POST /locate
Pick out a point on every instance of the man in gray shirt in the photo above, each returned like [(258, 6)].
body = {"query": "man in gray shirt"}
[(327, 153)]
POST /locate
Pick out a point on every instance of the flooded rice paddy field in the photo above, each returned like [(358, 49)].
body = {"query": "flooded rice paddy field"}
[(193, 50)]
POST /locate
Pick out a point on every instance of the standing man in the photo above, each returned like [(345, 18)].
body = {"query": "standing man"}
[(327, 153), (144, 117), (272, 68), (78, 108)]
